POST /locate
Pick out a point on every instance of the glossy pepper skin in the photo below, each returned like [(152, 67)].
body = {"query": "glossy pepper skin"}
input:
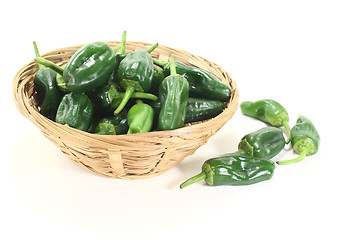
[(108, 97), (46, 89), (305, 140), (119, 122), (89, 67), (140, 118), (264, 143), (233, 169), (268, 111), (173, 95), (135, 73), (200, 109), (75, 110), (202, 84)]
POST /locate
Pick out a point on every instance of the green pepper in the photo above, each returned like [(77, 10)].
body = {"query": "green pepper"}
[(202, 84), (305, 140), (264, 143), (158, 77), (199, 109), (88, 68), (46, 89), (119, 122), (135, 74), (60, 81), (108, 97), (140, 118), (75, 110), (105, 129), (268, 111), (233, 169), (173, 95)]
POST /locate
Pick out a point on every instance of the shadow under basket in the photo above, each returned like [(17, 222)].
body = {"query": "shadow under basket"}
[(130, 156)]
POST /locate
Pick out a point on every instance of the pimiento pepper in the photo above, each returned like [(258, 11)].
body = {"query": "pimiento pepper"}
[(140, 118), (158, 77), (108, 97), (105, 129), (202, 84), (135, 74), (45, 86), (88, 68), (119, 122), (173, 95), (268, 111), (200, 109), (305, 140), (233, 169), (264, 143), (75, 110)]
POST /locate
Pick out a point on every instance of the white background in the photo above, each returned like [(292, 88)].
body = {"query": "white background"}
[(304, 54)]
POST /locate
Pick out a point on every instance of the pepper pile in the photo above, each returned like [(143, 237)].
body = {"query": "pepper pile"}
[(109, 91), (252, 163)]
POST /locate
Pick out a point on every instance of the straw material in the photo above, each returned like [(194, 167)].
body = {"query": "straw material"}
[(131, 156)]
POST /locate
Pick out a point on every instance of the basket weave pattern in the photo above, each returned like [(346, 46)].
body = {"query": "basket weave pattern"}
[(124, 156)]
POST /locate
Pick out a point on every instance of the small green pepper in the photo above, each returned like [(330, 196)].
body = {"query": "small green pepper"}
[(233, 169), (135, 74), (268, 111), (88, 68), (75, 110), (158, 77), (264, 143), (202, 84), (140, 118), (305, 140), (108, 97), (105, 129), (47, 92), (173, 95), (119, 122), (200, 109)]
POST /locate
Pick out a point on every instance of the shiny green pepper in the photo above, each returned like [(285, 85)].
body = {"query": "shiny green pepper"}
[(305, 140), (135, 74), (108, 97), (140, 118), (105, 129), (75, 110), (268, 111), (119, 122), (264, 143), (173, 95), (88, 68), (202, 84), (233, 169), (46, 89)]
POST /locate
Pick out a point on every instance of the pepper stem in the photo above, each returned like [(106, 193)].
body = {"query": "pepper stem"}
[(159, 63), (128, 92), (288, 132), (37, 54), (194, 179), (50, 65), (152, 48), (121, 46), (301, 156), (142, 95), (172, 66)]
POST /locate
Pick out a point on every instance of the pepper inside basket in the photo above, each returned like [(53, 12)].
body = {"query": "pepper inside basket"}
[(130, 156)]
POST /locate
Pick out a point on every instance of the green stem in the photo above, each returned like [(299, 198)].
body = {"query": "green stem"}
[(121, 46), (194, 179), (128, 92), (288, 132), (152, 48), (50, 65), (37, 54), (142, 95), (159, 63), (301, 156), (172, 66)]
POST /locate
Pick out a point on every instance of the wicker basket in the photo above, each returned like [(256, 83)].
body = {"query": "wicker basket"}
[(124, 156)]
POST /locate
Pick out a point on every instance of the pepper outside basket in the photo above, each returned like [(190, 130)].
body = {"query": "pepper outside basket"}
[(131, 156)]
